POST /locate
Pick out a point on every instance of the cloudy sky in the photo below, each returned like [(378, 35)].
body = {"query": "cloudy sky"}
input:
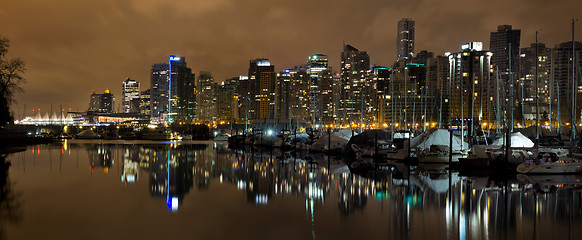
[(73, 47)]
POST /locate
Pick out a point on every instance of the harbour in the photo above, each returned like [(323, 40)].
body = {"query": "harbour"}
[(195, 188)]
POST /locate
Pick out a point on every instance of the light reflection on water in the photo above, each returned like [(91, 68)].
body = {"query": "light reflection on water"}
[(198, 181)]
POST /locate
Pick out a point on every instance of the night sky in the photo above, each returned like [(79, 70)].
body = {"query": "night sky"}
[(73, 47)]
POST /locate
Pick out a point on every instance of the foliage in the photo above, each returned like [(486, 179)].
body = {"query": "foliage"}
[(11, 78)]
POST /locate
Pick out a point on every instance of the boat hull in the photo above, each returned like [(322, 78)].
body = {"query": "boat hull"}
[(574, 167), (438, 158)]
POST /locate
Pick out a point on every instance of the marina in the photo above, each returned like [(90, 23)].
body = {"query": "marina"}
[(195, 188)]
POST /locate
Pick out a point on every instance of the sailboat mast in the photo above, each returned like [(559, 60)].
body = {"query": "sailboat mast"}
[(462, 103), (498, 110), (573, 120), (489, 95), (558, 118), (392, 100), (405, 95), (424, 106), (510, 104), (537, 91), (441, 99), (472, 105)]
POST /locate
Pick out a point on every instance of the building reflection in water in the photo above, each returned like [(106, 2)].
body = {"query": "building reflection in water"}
[(440, 202)]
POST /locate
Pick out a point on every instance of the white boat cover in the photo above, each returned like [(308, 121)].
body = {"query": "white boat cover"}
[(518, 140), (437, 137), (338, 141)]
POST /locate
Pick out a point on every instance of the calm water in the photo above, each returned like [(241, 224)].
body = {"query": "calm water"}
[(203, 190)]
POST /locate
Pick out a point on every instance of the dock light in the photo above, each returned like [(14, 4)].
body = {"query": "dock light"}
[(316, 125), (270, 132)]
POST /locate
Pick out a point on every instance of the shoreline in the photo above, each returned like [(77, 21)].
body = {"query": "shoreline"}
[(16, 142)]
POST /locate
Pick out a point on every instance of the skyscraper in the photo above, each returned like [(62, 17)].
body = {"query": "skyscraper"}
[(501, 41), (244, 99), (562, 71), (527, 80), (299, 99), (405, 39), (408, 83), (473, 93), (262, 82), (382, 77), (206, 97), (437, 89), (227, 100), (159, 91), (145, 102), (283, 95), (102, 103), (355, 69), (130, 91), (172, 95), (315, 64), (326, 96)]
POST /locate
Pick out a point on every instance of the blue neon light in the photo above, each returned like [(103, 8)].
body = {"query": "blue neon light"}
[(172, 58)]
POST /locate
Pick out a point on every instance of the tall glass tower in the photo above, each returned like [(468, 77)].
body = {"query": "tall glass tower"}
[(405, 39)]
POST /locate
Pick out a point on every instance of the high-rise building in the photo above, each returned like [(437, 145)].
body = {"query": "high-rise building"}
[(437, 89), (130, 91), (355, 69), (326, 86), (530, 56), (244, 99), (407, 98), (172, 95), (206, 97), (506, 61), (562, 80), (500, 41), (315, 64), (422, 57), (382, 76), (405, 39), (145, 102), (227, 100), (283, 95), (102, 103), (262, 82), (474, 92), (159, 91), (299, 99)]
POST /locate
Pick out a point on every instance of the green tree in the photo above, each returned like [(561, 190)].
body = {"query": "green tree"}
[(11, 78)]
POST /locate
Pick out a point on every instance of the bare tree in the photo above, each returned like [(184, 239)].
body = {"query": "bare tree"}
[(11, 79)]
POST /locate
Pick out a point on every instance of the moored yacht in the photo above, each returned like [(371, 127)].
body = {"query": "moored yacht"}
[(550, 164)]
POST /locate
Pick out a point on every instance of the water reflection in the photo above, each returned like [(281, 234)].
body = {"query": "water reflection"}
[(10, 199), (401, 201)]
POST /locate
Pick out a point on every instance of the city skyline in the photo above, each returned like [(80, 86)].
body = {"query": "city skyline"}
[(70, 54)]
